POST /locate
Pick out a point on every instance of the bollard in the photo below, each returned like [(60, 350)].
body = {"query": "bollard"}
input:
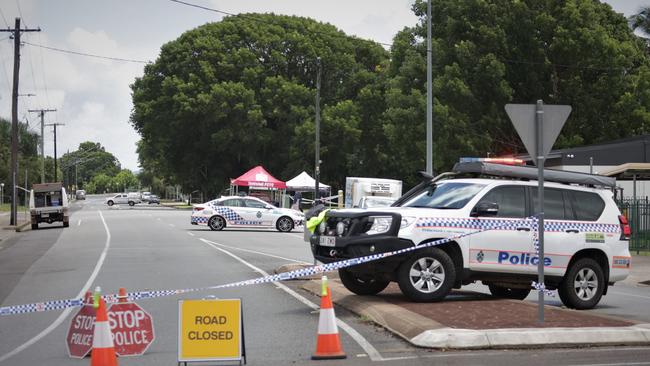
[(341, 203)]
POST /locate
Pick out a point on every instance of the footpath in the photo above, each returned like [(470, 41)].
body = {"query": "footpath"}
[(8, 231), (470, 320)]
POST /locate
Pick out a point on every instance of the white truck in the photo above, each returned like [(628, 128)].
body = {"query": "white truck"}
[(357, 188), (48, 202)]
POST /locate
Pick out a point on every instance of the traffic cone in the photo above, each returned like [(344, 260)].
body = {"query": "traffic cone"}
[(328, 344), (103, 353)]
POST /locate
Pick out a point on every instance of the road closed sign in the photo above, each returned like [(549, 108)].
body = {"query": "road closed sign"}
[(132, 328), (210, 330)]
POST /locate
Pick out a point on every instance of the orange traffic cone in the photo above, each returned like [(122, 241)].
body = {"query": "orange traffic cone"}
[(328, 344), (103, 353)]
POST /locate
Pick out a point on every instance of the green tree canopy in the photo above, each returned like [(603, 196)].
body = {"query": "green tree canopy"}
[(230, 95), (89, 160)]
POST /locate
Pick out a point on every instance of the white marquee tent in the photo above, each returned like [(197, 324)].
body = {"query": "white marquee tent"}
[(304, 182)]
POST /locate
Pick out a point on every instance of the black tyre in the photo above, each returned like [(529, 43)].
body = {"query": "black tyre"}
[(509, 293), (66, 224), (34, 226), (217, 223), (427, 276), (362, 284), (110, 203), (131, 203), (284, 224), (583, 284)]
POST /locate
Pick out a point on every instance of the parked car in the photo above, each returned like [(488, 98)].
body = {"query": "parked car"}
[(234, 211), (153, 199), (144, 196), (48, 202), (586, 238), (123, 198)]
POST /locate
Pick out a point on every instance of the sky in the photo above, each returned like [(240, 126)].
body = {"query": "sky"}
[(92, 95)]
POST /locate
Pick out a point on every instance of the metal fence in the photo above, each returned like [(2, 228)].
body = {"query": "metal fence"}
[(637, 212)]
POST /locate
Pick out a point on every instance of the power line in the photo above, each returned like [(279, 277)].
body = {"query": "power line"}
[(40, 51), (249, 16), (86, 54)]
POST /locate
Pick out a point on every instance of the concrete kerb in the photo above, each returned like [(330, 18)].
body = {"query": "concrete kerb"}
[(424, 332)]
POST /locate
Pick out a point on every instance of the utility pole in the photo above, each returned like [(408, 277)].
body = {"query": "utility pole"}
[(14, 114), (317, 150), (429, 95), (55, 124), (42, 114)]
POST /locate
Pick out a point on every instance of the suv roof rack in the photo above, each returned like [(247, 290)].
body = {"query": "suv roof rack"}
[(526, 172)]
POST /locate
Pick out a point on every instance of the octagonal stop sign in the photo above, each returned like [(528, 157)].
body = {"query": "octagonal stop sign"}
[(80, 333), (132, 328)]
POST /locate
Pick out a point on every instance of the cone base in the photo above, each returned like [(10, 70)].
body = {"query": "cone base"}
[(329, 357)]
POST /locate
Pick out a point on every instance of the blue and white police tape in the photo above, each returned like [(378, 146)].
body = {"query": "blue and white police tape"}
[(481, 225)]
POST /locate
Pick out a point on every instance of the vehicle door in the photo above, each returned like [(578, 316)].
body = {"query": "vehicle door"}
[(508, 249), (121, 199), (233, 211), (562, 235), (256, 212)]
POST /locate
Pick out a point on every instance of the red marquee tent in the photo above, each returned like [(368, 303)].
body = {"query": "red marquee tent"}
[(258, 177)]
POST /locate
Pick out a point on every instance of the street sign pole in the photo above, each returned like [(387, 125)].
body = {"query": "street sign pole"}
[(539, 120)]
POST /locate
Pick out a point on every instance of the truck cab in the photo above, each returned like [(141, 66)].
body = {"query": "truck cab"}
[(48, 202)]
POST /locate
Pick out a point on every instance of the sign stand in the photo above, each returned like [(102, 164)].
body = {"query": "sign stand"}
[(211, 330), (538, 136)]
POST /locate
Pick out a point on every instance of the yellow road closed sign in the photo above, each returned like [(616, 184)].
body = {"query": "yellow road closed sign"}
[(210, 330)]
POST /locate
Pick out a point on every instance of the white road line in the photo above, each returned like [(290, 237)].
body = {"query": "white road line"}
[(260, 253), (190, 234), (67, 311), (79, 222), (363, 343)]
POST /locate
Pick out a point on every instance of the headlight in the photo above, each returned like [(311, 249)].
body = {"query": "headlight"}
[(407, 221), (380, 224), (340, 228), (322, 227)]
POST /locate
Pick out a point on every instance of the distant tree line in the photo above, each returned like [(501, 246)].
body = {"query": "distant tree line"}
[(230, 95)]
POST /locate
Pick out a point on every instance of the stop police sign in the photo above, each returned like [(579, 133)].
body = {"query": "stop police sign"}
[(132, 328), (80, 333)]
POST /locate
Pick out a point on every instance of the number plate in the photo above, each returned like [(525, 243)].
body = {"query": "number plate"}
[(45, 215), (328, 241)]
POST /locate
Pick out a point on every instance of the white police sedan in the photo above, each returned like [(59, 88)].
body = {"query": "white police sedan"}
[(233, 211)]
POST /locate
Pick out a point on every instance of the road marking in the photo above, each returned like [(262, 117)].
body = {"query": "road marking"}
[(190, 234), (79, 222), (172, 225), (158, 218), (67, 311), (256, 252), (363, 343)]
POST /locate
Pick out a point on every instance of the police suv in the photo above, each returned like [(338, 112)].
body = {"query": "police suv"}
[(585, 237)]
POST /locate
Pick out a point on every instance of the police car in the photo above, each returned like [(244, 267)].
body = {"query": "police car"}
[(234, 211), (585, 238)]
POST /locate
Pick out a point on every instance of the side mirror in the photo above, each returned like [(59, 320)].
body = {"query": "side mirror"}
[(485, 209), (268, 207)]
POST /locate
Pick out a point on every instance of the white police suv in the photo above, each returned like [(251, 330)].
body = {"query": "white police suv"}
[(585, 238), (235, 211)]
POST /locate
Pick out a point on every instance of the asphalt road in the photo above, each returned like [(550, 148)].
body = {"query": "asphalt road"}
[(150, 247)]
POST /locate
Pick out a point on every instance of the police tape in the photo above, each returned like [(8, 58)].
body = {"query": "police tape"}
[(480, 225)]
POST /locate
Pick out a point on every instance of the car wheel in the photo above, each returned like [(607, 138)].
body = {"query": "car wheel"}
[(427, 275), (362, 284), (110, 203), (583, 284), (284, 224), (131, 203), (509, 293), (34, 226), (217, 223), (66, 224)]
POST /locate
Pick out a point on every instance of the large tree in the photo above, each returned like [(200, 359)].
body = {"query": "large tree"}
[(230, 95), (489, 53), (88, 161)]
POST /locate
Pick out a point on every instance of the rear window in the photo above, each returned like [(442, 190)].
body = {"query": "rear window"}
[(446, 195), (588, 206)]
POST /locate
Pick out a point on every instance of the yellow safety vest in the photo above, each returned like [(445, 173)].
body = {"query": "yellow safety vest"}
[(313, 222)]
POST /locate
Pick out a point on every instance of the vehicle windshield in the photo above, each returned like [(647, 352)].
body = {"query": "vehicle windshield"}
[(377, 202), (445, 195)]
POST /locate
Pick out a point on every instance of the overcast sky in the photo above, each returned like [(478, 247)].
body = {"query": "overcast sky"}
[(92, 96)]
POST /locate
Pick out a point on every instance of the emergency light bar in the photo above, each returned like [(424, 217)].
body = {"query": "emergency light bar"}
[(507, 161)]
